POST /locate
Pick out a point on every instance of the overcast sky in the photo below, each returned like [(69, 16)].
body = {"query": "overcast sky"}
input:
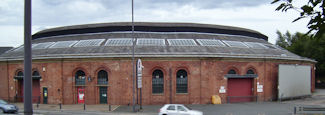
[(257, 15)]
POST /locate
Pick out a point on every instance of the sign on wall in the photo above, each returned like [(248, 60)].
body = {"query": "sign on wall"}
[(259, 87), (139, 73), (222, 89)]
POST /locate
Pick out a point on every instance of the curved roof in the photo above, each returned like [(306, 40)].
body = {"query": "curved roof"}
[(152, 40), (147, 27)]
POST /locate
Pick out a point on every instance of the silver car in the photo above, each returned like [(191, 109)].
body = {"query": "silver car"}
[(178, 109), (7, 108)]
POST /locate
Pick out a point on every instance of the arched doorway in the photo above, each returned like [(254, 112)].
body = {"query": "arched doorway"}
[(80, 82), (102, 82)]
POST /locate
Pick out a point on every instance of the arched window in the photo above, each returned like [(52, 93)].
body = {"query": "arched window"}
[(80, 77), (20, 73), (232, 71), (157, 81), (250, 72), (181, 81), (102, 77), (35, 73)]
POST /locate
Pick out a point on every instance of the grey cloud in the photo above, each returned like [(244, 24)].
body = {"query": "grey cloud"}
[(61, 12), (11, 12), (202, 4)]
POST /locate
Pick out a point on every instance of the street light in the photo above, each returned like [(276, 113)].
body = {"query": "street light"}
[(28, 107), (133, 62)]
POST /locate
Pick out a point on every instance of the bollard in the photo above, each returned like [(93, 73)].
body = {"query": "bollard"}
[(294, 110), (37, 105), (109, 108), (84, 106), (60, 106)]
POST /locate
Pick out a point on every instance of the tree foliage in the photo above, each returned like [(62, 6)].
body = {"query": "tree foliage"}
[(314, 9), (305, 46)]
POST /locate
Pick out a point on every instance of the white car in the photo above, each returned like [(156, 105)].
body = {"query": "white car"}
[(177, 109)]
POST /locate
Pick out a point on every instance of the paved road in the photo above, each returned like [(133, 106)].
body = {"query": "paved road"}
[(265, 108), (260, 108)]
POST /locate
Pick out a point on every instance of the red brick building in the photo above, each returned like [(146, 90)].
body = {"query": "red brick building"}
[(183, 63)]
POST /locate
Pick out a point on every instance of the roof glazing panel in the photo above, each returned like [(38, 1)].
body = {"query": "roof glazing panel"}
[(255, 45), (151, 42), (210, 42), (235, 44), (119, 42), (87, 43), (270, 46), (63, 44), (42, 45), (181, 42)]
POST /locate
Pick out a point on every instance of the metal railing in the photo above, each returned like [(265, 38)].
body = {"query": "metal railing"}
[(308, 109), (157, 85), (102, 81), (80, 81), (181, 85), (35, 99)]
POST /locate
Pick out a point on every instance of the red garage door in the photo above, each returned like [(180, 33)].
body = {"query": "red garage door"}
[(240, 90)]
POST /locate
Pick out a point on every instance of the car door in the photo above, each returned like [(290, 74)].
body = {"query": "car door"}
[(171, 110), (182, 111)]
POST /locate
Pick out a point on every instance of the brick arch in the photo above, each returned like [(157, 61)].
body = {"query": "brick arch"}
[(79, 68), (157, 68), (102, 68), (232, 68), (183, 68), (35, 69), (251, 68), (17, 70)]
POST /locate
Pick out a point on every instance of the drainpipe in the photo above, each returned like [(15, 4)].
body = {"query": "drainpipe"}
[(62, 84)]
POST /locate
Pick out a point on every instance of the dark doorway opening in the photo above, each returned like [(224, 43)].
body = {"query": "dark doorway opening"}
[(103, 95)]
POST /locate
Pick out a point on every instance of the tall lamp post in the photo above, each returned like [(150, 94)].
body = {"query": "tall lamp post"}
[(133, 61), (28, 108)]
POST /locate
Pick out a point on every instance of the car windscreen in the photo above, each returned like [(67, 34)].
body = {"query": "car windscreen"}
[(3, 102)]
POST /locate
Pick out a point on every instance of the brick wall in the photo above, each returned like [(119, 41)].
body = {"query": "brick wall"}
[(205, 77)]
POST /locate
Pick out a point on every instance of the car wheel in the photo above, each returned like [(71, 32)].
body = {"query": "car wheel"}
[(1, 111)]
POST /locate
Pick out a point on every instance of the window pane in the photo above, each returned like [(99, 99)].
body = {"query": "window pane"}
[(180, 108), (171, 107), (250, 72), (231, 71), (35, 73), (20, 73), (80, 78), (181, 81), (102, 77), (157, 82)]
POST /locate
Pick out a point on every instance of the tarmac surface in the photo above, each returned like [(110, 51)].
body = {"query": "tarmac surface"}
[(252, 108)]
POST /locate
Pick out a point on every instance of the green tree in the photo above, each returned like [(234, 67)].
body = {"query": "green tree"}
[(305, 46), (283, 39), (313, 9)]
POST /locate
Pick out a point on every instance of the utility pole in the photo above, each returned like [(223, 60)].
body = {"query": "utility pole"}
[(28, 107)]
